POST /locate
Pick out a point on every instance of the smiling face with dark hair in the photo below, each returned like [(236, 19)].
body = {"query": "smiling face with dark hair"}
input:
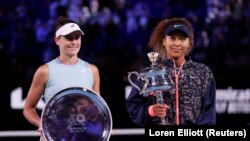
[(176, 45), (69, 45)]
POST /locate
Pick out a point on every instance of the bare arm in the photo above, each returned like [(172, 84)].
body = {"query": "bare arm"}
[(35, 92), (96, 85)]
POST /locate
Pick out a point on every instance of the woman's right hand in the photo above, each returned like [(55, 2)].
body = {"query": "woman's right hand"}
[(160, 110)]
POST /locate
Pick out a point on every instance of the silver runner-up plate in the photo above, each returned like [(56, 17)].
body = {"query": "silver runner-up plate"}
[(76, 114)]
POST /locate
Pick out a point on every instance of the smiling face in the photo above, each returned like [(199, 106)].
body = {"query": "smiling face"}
[(70, 44), (176, 45)]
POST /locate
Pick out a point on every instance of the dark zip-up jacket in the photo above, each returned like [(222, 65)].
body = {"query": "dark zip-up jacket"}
[(197, 91)]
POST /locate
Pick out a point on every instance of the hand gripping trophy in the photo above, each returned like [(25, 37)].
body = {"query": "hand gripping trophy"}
[(155, 79)]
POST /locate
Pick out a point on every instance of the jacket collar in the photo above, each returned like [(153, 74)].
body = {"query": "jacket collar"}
[(170, 64)]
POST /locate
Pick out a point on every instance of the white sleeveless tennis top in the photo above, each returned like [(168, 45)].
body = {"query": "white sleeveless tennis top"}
[(62, 76)]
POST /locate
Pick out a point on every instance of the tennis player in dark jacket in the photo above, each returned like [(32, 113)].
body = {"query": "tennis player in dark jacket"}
[(193, 100)]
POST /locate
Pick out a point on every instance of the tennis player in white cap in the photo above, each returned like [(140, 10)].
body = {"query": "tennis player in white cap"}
[(67, 70)]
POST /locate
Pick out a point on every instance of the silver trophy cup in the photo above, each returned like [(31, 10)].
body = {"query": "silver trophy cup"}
[(155, 78)]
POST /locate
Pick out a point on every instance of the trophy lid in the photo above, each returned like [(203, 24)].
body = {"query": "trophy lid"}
[(153, 56), (154, 68)]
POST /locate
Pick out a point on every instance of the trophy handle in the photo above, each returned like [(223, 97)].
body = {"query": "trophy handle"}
[(131, 82)]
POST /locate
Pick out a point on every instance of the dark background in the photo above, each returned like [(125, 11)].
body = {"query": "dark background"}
[(116, 37)]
